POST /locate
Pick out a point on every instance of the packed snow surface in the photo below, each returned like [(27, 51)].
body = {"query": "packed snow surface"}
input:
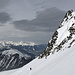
[(60, 63)]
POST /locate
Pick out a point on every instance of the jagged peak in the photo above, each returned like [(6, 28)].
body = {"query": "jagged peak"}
[(70, 14), (64, 37), (14, 51)]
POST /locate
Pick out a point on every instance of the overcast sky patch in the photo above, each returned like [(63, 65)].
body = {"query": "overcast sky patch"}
[(47, 20), (4, 3), (4, 17)]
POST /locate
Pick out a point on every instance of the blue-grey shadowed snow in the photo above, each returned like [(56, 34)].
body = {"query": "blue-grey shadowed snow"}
[(47, 20)]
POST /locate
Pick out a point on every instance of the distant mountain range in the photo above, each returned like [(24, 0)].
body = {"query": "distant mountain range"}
[(16, 54)]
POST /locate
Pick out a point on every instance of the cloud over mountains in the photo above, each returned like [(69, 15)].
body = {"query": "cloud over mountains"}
[(47, 20)]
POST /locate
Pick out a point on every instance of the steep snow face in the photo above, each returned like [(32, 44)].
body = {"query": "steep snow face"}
[(67, 23), (60, 63), (64, 37)]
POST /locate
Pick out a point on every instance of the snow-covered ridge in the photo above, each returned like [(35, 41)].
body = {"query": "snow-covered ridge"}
[(12, 59), (63, 31), (17, 43), (14, 51), (64, 37)]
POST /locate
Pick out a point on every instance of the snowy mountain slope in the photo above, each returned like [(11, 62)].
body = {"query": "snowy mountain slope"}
[(17, 54), (64, 36), (32, 48), (11, 59), (59, 53), (60, 63)]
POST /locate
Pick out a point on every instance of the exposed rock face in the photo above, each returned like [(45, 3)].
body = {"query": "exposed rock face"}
[(64, 37)]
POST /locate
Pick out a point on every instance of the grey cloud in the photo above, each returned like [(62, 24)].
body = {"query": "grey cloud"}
[(4, 3), (4, 17), (47, 20)]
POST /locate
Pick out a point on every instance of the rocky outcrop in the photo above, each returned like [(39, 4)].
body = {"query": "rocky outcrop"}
[(64, 37)]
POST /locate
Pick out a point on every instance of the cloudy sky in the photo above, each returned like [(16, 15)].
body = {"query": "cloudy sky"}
[(31, 20)]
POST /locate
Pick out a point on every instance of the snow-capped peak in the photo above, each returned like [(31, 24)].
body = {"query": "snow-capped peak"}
[(63, 31), (64, 37), (14, 51), (17, 43)]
